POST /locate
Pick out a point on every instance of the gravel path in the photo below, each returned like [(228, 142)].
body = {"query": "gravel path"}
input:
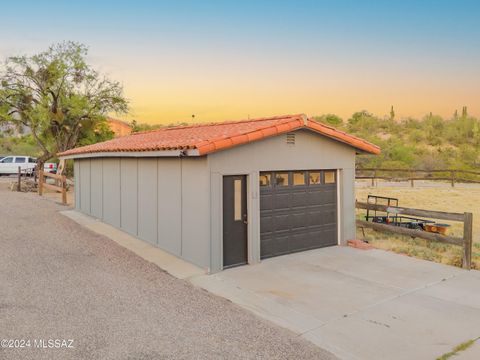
[(58, 280)]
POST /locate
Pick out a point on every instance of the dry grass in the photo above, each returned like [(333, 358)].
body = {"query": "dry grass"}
[(441, 199)]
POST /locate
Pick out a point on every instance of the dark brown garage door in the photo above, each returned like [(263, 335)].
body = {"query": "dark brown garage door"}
[(298, 211)]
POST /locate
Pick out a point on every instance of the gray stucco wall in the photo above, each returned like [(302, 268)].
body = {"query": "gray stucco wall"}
[(176, 203), (311, 151)]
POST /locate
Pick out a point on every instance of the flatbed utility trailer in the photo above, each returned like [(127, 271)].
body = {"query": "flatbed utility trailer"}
[(395, 220)]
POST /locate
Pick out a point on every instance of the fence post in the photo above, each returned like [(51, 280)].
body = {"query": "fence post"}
[(467, 240), (453, 178), (19, 184), (40, 182), (373, 178), (64, 190), (411, 179)]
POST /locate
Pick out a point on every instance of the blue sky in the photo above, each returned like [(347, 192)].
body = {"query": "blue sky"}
[(229, 59)]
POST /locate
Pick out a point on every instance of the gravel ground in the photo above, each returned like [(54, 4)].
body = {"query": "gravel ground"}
[(58, 280)]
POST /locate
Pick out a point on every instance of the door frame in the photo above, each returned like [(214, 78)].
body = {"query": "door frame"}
[(249, 219)]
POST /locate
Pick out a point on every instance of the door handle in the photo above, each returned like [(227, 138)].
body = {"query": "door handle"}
[(245, 219)]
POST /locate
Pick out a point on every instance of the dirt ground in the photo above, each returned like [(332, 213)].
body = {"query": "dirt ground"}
[(441, 197), (60, 281)]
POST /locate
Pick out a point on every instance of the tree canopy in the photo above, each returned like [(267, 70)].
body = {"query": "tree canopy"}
[(59, 97)]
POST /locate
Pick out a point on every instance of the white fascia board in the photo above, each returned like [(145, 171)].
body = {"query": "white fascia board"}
[(136, 154)]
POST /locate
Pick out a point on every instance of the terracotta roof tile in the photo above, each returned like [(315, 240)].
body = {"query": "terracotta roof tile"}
[(208, 138)]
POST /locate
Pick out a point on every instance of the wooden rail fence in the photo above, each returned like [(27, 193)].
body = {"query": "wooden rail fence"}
[(452, 176), (467, 218), (60, 184)]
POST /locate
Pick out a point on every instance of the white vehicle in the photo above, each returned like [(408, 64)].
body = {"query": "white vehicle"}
[(9, 164)]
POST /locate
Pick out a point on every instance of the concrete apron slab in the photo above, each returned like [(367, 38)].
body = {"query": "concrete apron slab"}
[(175, 266), (356, 304), (359, 304)]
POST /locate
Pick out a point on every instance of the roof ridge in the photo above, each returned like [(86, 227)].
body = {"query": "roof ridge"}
[(228, 122)]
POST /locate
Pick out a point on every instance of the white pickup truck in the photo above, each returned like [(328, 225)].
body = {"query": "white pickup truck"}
[(9, 165)]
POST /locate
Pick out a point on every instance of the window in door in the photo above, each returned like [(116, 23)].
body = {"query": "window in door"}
[(237, 199)]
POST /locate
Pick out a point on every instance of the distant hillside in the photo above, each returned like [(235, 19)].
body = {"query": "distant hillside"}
[(430, 143)]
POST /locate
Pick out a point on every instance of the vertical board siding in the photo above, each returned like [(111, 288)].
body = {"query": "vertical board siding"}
[(76, 185), (147, 200), (196, 211), (85, 186), (129, 195), (96, 174), (169, 205), (111, 191)]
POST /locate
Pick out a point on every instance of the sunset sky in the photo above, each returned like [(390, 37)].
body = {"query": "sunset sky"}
[(228, 59)]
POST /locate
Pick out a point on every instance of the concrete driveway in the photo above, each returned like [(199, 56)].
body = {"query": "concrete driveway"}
[(361, 304)]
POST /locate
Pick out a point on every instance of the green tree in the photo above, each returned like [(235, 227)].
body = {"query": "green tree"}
[(329, 119), (139, 127), (59, 97)]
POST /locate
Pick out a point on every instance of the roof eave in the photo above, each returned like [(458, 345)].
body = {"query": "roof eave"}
[(134, 154), (360, 145)]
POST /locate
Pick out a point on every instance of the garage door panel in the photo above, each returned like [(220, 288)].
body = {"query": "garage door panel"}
[(275, 246), (300, 241), (282, 222), (267, 201), (296, 218), (330, 236), (266, 224), (299, 199), (329, 217), (282, 201), (315, 218), (299, 220), (315, 198)]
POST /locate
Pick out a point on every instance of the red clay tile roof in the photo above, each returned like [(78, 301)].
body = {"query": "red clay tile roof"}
[(208, 138)]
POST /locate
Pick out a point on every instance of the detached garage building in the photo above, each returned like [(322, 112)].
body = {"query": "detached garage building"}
[(226, 194)]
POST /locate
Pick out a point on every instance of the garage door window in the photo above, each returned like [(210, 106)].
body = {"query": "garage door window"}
[(281, 179), (329, 177), (314, 177), (298, 178), (265, 179)]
